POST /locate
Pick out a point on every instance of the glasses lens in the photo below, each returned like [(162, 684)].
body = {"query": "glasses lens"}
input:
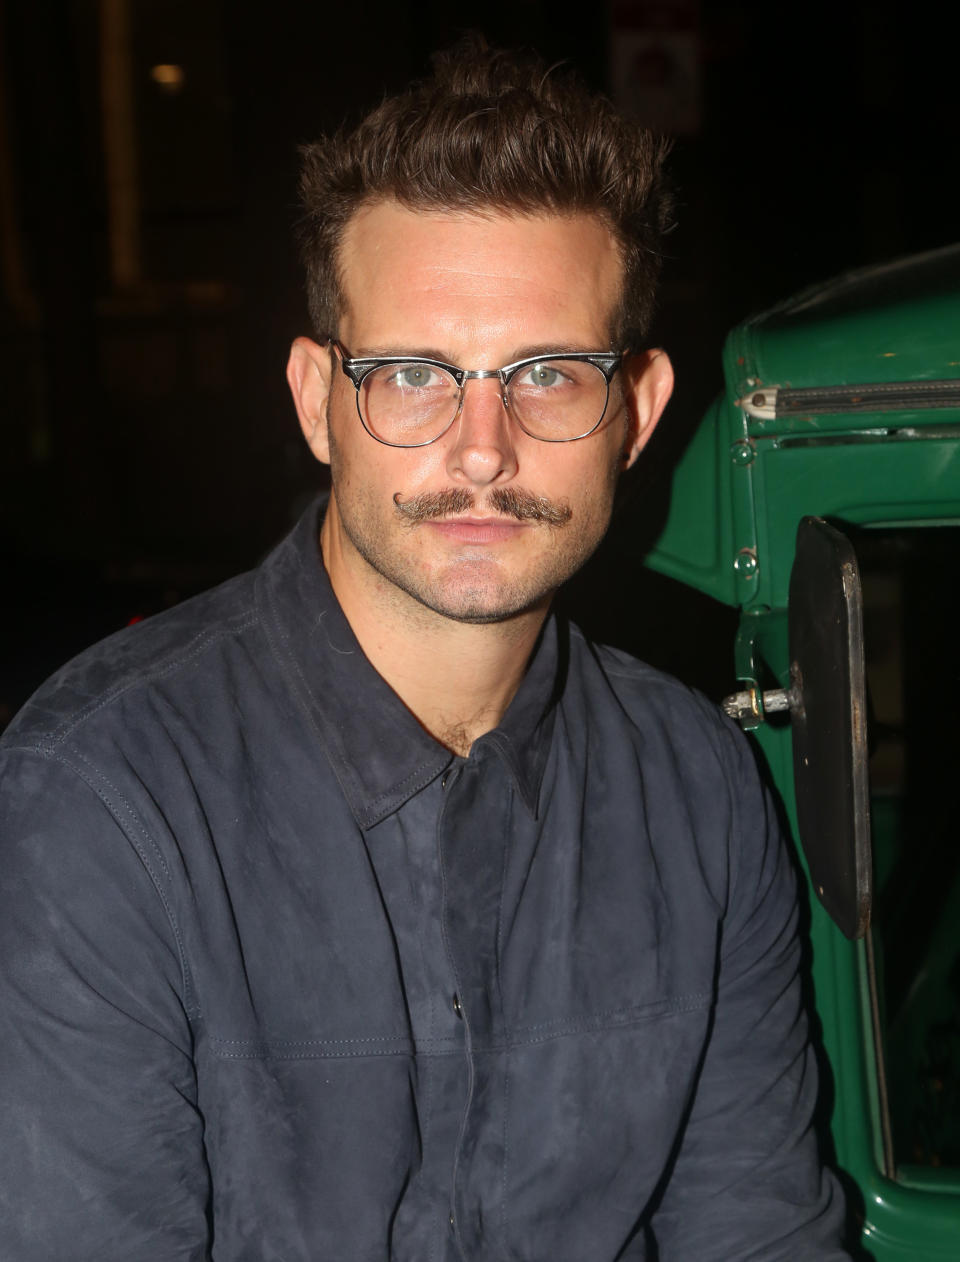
[(558, 399), (408, 404)]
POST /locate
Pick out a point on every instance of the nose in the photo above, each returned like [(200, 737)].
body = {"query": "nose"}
[(482, 451)]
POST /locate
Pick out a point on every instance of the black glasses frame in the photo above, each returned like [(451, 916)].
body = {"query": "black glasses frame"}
[(357, 369)]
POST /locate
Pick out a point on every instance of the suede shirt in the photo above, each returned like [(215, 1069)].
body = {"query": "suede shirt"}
[(285, 981)]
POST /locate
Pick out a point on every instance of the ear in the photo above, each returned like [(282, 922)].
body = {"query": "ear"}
[(648, 383), (308, 376)]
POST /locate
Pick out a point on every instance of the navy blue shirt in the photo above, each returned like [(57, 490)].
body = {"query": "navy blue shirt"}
[(283, 979)]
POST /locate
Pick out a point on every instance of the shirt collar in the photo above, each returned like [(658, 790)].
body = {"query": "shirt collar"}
[(379, 752)]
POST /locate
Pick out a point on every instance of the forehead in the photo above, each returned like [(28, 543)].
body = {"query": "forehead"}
[(469, 281)]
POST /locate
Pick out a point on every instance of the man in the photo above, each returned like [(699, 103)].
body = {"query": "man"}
[(360, 910)]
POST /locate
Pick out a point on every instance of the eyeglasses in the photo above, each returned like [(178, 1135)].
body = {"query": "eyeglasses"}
[(412, 402)]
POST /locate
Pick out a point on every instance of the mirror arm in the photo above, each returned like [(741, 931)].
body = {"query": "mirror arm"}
[(752, 706)]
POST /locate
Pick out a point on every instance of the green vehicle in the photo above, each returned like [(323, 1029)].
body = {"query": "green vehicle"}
[(821, 496)]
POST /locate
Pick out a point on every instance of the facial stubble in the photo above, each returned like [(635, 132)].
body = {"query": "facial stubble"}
[(482, 592)]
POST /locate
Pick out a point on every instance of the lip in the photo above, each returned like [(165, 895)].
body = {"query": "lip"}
[(477, 530)]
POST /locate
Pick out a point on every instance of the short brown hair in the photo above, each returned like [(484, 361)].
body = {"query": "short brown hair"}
[(491, 130)]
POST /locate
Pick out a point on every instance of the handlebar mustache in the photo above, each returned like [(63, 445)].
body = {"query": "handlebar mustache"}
[(507, 501)]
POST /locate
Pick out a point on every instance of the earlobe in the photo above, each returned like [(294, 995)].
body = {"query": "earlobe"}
[(308, 376), (648, 383)]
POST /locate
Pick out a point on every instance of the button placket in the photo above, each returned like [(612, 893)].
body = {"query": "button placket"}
[(449, 777), (472, 833)]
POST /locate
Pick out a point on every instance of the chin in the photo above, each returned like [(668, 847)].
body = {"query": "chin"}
[(479, 609), (481, 590)]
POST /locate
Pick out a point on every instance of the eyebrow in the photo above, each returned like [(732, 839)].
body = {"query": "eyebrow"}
[(430, 352)]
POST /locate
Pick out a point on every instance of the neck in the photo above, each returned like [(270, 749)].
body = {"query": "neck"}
[(456, 678)]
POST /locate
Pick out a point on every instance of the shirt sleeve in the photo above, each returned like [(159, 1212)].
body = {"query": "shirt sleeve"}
[(102, 1155), (748, 1182)]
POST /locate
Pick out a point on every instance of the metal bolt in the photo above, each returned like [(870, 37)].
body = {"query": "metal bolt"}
[(745, 563), (742, 453), (759, 400)]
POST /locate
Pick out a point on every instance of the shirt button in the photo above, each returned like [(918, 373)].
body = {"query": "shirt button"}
[(456, 1006), (451, 1218)]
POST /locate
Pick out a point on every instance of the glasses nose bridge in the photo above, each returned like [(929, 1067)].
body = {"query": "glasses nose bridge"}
[(481, 374)]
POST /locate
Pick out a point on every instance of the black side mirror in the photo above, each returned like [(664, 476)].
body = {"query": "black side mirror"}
[(828, 713)]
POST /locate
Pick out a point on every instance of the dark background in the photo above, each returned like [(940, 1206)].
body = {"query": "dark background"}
[(149, 447)]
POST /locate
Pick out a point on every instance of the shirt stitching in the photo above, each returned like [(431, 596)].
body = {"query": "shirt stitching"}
[(417, 779), (373, 1038), (648, 1012), (656, 1007), (48, 742), (392, 1045), (90, 780), (506, 1063)]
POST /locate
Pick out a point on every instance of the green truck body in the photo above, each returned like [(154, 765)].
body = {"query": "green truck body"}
[(842, 405)]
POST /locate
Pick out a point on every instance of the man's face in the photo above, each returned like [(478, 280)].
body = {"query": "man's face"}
[(479, 292)]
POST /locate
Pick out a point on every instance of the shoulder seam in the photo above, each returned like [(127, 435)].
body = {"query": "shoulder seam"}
[(93, 778), (48, 742)]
